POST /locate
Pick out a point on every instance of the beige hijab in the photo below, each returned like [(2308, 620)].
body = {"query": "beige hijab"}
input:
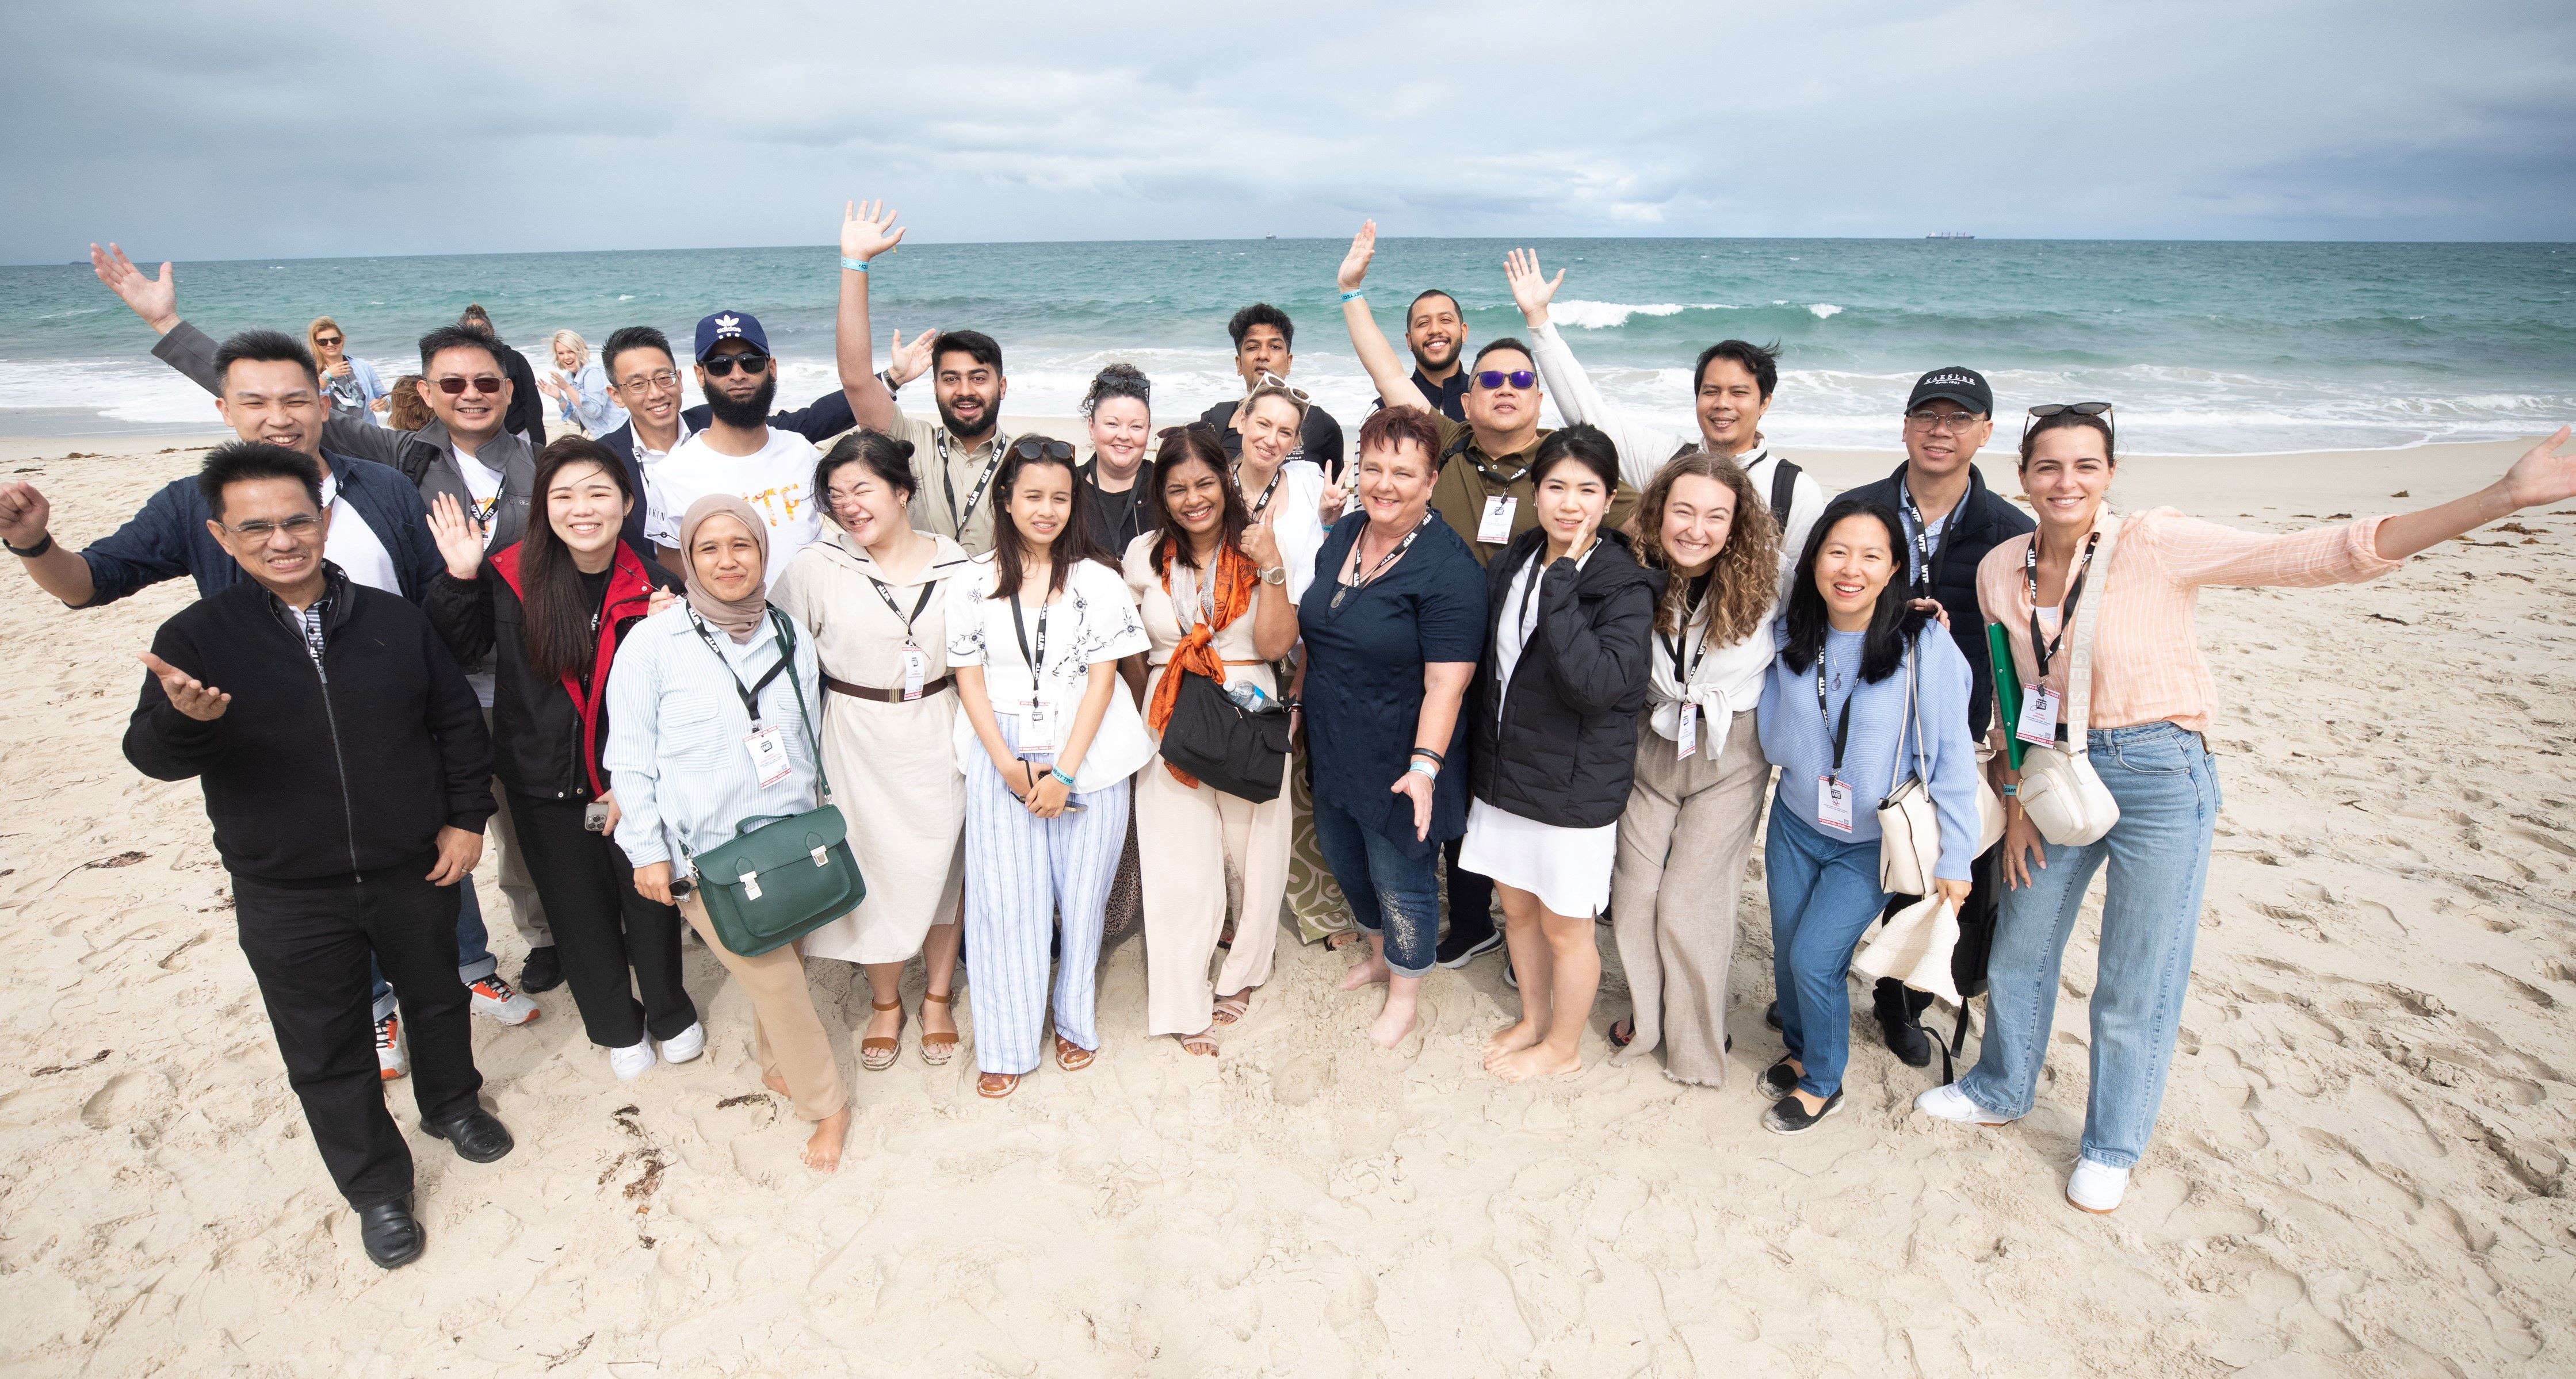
[(739, 618)]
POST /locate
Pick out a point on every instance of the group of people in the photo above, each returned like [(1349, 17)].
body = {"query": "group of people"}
[(1546, 671)]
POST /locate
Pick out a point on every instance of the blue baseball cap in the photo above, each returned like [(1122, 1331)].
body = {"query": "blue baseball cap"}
[(731, 325)]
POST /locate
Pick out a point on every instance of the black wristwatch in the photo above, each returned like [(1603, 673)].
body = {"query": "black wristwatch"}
[(886, 377), (34, 551)]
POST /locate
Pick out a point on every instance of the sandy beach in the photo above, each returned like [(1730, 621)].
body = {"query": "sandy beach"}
[(2362, 1166)]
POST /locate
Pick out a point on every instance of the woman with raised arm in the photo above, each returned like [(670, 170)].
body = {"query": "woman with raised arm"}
[(1036, 628), (580, 387), (872, 593), (693, 687), (2149, 700), (1214, 598), (1689, 822), (350, 383)]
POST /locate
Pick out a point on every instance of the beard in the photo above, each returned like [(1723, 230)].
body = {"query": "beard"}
[(1429, 364), (751, 411), (960, 429)]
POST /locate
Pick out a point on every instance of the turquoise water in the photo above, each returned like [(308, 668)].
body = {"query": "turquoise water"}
[(2204, 347)]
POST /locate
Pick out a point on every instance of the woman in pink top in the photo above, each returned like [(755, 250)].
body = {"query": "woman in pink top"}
[(2151, 699)]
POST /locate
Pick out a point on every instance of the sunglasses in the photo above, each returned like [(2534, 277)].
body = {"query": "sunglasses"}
[(1491, 379), (328, 342), (1272, 383), (719, 365), (1041, 448), (2045, 410), (481, 383)]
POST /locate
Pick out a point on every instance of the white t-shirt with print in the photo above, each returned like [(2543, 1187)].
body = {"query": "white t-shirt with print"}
[(1095, 620), (773, 481)]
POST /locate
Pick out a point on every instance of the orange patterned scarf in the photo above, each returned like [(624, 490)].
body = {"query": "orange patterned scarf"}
[(1231, 588)]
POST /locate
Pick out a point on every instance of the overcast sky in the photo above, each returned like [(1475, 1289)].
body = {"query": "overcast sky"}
[(198, 131)]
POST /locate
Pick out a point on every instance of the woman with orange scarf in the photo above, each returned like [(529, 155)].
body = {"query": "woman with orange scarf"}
[(1213, 592)]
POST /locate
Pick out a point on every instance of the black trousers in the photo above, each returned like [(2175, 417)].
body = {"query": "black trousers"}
[(1471, 897), (603, 927), (308, 944), (1895, 999)]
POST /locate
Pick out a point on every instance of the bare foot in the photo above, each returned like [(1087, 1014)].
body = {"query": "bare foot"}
[(1394, 1022), (1511, 1039), (777, 1084), (1369, 973), (823, 1151), (1538, 1060)]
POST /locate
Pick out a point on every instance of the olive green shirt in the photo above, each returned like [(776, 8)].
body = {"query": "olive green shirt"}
[(1469, 477)]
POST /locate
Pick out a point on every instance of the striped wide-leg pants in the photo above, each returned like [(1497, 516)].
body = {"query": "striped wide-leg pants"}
[(1021, 872)]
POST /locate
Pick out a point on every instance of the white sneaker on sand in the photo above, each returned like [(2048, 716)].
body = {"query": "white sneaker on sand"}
[(502, 1001), (390, 1062), (633, 1061), (2097, 1188), (685, 1045), (1947, 1102)]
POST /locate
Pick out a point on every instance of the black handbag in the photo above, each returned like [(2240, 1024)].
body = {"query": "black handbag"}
[(1228, 747)]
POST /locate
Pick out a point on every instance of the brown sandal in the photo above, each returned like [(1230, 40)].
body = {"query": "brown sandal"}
[(937, 1049), (1070, 1056), (877, 1054), (996, 1086)]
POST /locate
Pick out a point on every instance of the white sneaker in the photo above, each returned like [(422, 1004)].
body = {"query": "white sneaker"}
[(1947, 1102), (685, 1045), (502, 1001), (2097, 1188), (390, 1061), (633, 1061)]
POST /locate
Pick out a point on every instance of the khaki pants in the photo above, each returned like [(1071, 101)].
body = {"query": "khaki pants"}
[(527, 911), (1683, 841), (788, 1034), (1200, 834)]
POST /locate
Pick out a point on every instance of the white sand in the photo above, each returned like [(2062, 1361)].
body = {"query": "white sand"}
[(2361, 1168)]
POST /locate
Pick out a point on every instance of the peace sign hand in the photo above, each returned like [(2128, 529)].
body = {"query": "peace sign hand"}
[(459, 537), (1532, 290), (188, 694), (867, 230)]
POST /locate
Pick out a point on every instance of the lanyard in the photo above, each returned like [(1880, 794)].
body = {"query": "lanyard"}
[(2043, 650), (892, 607), (1037, 659), (1266, 489), (948, 478), (1922, 534), (1358, 581), (1842, 731), (1682, 673), (635, 438), (751, 696)]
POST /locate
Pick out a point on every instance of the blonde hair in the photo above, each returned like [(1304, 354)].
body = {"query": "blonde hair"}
[(319, 324), (1747, 567), (580, 347)]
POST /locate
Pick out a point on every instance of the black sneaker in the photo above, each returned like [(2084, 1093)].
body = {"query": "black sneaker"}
[(1906, 1039), (1778, 1080), (1771, 1015), (1457, 950), (544, 971), (1788, 1115)]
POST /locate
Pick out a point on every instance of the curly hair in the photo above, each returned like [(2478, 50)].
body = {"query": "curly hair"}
[(1746, 573)]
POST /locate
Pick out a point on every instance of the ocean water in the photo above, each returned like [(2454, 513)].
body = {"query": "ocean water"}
[(2206, 348)]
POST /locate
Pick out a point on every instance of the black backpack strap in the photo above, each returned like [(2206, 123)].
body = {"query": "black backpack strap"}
[(1784, 491)]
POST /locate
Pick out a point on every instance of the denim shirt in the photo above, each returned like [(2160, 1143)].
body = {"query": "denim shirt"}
[(676, 729)]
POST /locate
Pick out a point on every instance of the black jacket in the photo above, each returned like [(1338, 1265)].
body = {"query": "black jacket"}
[(317, 773), (1563, 750), (527, 412), (1984, 521), (827, 416)]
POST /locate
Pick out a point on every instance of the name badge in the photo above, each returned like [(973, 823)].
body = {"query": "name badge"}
[(768, 749), (2038, 725), (1037, 726), (916, 669), (1496, 528), (1833, 804), (1689, 736)]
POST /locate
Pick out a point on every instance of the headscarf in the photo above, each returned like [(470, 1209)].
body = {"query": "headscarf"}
[(1230, 585), (740, 618)]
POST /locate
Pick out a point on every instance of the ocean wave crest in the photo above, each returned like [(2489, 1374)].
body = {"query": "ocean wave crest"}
[(1583, 315)]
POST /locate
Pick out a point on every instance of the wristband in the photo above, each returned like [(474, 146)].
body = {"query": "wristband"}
[(854, 265), (1436, 758), (1424, 769), (2011, 790), (1354, 294), (886, 377), (1061, 778), (43, 544)]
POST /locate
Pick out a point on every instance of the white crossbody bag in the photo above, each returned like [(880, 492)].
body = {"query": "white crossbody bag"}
[(1909, 827), (2067, 802)]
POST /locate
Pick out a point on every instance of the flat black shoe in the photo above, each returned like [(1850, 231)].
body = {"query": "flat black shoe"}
[(1788, 1116), (478, 1135), (1771, 1015), (1457, 951), (544, 970), (393, 1239), (1906, 1039), (1618, 1040), (1778, 1080)]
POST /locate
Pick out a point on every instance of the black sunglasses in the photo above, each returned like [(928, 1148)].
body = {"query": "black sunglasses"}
[(719, 365), (483, 383), (1491, 379), (2045, 410), (1041, 448), (326, 342)]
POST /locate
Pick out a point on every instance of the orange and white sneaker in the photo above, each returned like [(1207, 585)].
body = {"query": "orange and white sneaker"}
[(501, 1001), (390, 1062)]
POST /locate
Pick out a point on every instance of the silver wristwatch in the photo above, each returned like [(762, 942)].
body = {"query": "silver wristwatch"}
[(1276, 574)]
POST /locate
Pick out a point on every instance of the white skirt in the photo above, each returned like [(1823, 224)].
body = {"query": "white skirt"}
[(1568, 869)]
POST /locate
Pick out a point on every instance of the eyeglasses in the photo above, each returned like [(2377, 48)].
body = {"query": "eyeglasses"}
[(481, 383), (327, 342), (1491, 379), (298, 526), (1041, 448), (719, 365), (1953, 422), (657, 382), (2045, 410)]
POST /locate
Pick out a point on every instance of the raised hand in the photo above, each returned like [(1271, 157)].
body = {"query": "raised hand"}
[(1328, 508), (867, 230), (155, 300), (24, 514), (2542, 475), (906, 363), (1355, 264), (1532, 290), (188, 694), (1261, 545), (459, 538)]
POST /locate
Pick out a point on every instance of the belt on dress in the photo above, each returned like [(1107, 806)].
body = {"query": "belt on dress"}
[(884, 696)]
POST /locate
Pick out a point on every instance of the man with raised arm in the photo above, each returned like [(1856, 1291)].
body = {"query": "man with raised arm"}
[(957, 457), (1435, 330), (1734, 382)]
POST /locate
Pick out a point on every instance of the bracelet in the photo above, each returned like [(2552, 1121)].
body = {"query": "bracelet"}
[(43, 544), (2011, 789), (1354, 294), (1423, 769), (854, 265), (1061, 778), (1436, 758), (886, 377)]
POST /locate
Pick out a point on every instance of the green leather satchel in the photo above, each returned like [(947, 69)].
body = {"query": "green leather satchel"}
[(782, 877)]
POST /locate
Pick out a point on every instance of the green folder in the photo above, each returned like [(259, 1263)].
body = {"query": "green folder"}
[(2007, 688)]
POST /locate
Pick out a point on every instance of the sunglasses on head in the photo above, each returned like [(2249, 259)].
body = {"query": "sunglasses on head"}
[(2045, 410), (719, 365), (481, 383), (1041, 448), (1270, 382), (1491, 379)]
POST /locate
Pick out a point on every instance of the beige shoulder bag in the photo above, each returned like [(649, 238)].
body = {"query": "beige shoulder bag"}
[(2065, 799)]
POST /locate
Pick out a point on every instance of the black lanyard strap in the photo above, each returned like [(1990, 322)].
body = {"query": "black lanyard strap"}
[(1360, 581), (751, 695), (1263, 502), (1919, 531), (948, 478), (2042, 650), (1036, 659), (1842, 730), (1698, 603), (892, 607)]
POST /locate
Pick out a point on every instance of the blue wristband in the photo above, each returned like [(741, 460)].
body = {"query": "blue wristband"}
[(1061, 777), (854, 265), (1354, 294)]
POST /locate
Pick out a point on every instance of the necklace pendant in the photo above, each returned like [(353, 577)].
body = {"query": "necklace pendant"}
[(1341, 594)]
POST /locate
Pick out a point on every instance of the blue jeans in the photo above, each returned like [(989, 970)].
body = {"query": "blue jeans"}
[(474, 960), (2166, 784), (1824, 895), (1388, 892)]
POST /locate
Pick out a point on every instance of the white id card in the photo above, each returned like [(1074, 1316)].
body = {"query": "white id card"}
[(1834, 804), (2038, 725), (1689, 738), (1496, 528), (1037, 726), (768, 749), (916, 669)]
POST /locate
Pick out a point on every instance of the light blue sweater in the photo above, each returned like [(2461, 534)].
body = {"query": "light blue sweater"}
[(1799, 740), (676, 725)]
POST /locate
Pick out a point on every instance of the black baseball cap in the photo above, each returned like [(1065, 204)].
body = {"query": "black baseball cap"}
[(1966, 387)]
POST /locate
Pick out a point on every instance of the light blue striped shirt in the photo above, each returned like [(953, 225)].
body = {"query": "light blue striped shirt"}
[(676, 728)]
